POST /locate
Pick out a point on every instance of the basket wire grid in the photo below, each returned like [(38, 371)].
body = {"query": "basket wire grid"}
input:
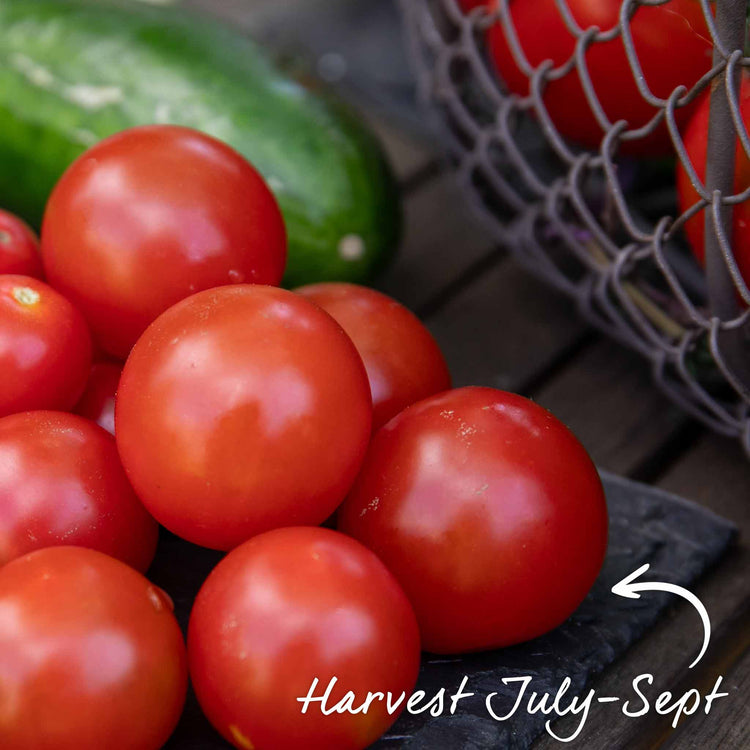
[(589, 221)]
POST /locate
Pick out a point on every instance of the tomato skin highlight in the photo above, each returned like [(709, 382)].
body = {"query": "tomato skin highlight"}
[(19, 247), (696, 143), (489, 513), (242, 409), (98, 400), (45, 347), (286, 607), (676, 30), (404, 363), (151, 215), (61, 483), (91, 655)]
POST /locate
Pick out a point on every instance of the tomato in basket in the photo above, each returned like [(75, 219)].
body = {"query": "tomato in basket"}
[(696, 143), (489, 513), (671, 41)]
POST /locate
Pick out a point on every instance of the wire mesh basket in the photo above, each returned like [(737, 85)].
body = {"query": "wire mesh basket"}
[(601, 223)]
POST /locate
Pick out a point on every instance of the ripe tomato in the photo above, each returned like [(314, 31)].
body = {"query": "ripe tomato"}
[(487, 510), (151, 215), (696, 140), (98, 400), (19, 247), (403, 362), (91, 655), (61, 482), (241, 409), (675, 31), (285, 608), (45, 347)]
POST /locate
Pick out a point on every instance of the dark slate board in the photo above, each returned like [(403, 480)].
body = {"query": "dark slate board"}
[(679, 540)]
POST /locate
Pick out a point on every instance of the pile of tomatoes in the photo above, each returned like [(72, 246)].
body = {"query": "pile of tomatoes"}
[(670, 43), (244, 417)]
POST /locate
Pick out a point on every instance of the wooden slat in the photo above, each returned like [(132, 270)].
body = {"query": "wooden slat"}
[(729, 724), (606, 396), (407, 154), (717, 475), (504, 329), (442, 239)]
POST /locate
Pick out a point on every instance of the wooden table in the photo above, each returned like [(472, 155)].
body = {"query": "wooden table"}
[(500, 327)]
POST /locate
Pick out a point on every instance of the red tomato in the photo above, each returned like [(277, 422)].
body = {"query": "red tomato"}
[(242, 409), (675, 31), (19, 247), (98, 400), (696, 140), (487, 510), (403, 362), (61, 482), (285, 608), (45, 347), (151, 215), (91, 655)]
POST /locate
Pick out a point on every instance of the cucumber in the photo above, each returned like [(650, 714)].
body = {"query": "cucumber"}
[(75, 71)]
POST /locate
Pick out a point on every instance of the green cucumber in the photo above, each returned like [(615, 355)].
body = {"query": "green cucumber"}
[(75, 71)]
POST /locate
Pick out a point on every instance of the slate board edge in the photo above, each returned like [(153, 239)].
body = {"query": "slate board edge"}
[(686, 503)]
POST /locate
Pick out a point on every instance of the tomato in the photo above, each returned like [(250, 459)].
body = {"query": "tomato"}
[(151, 215), (98, 400), (675, 31), (696, 140), (19, 247), (487, 510), (91, 655), (403, 362), (285, 608), (45, 347), (241, 409), (61, 482)]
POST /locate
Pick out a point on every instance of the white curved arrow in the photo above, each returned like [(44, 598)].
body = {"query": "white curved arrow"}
[(629, 589)]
